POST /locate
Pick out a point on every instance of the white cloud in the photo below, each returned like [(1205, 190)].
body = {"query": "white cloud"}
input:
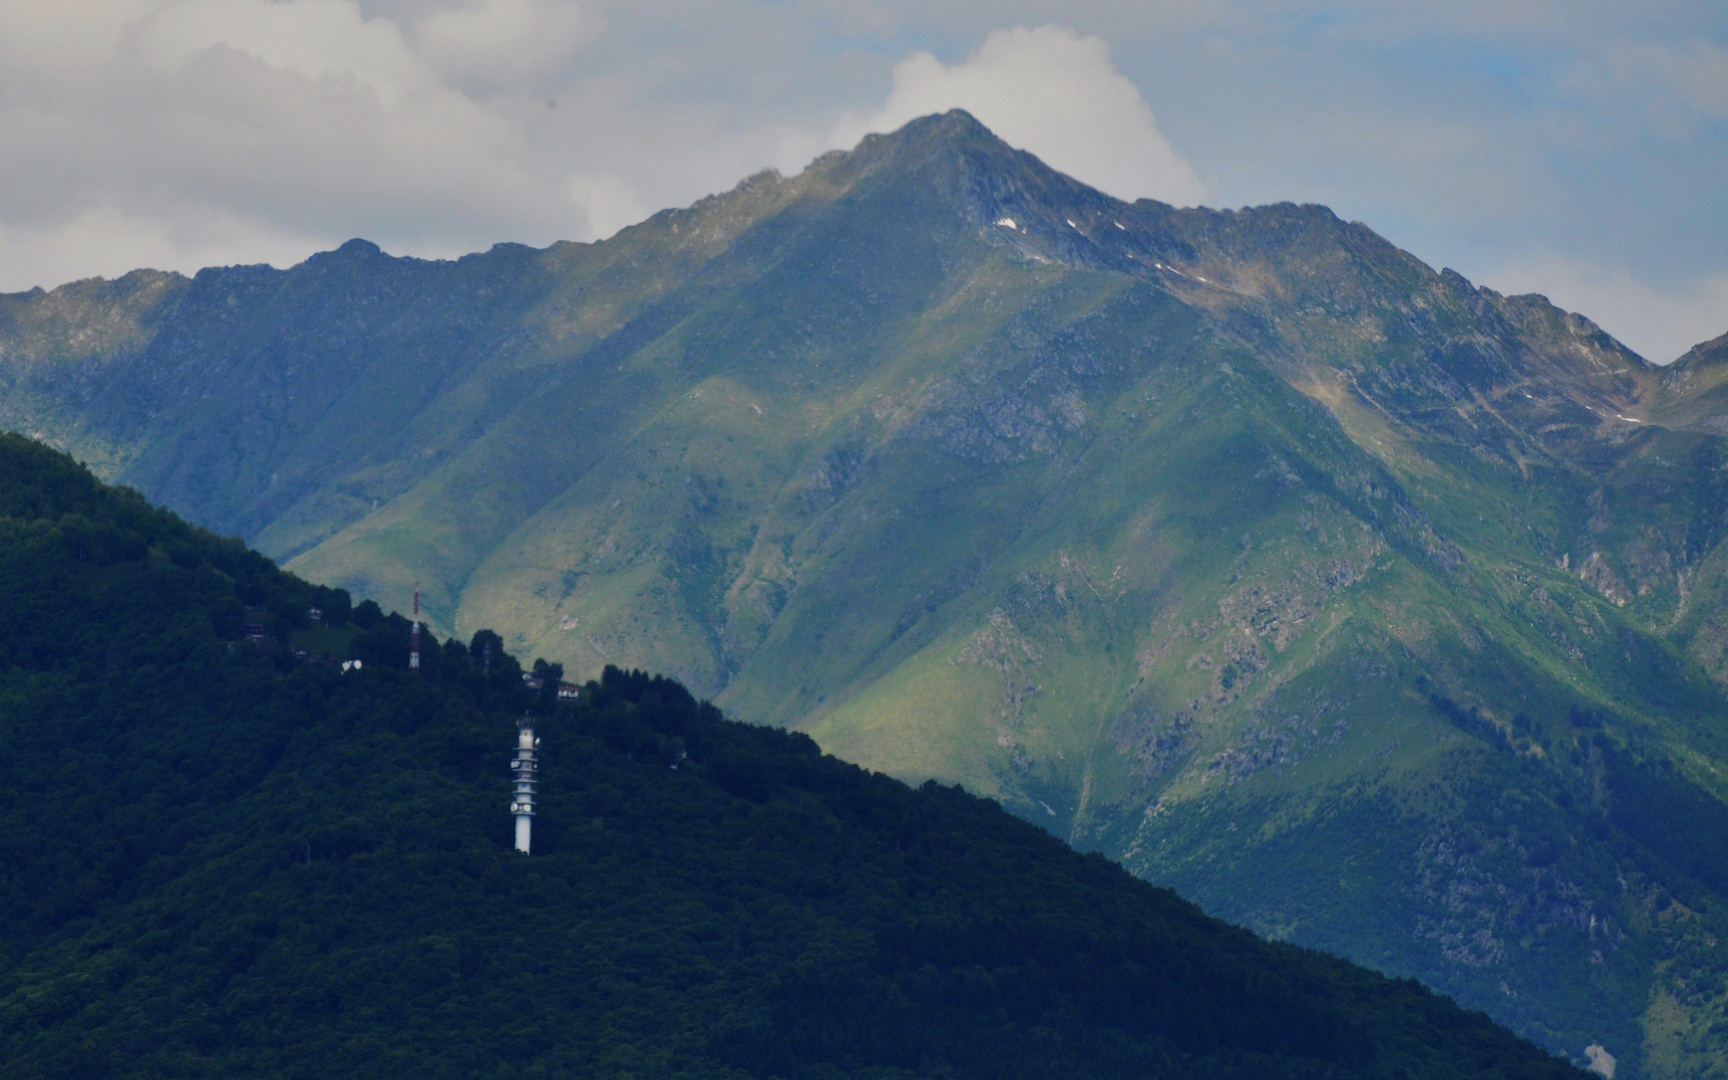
[(187, 132), (1054, 93), (104, 241), (1694, 73), (496, 42), (316, 39), (1701, 76), (1657, 325), (610, 203)]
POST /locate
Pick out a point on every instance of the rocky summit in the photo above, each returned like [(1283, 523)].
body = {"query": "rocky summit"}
[(1371, 609)]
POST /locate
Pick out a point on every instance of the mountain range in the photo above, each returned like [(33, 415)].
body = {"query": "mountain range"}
[(1371, 609)]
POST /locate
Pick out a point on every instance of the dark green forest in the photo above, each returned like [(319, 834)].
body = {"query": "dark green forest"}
[(221, 858)]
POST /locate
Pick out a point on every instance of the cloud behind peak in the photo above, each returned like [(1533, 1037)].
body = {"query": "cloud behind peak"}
[(1053, 92)]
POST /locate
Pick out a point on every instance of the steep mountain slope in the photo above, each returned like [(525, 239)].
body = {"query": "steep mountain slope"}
[(221, 862), (1695, 389), (1370, 608)]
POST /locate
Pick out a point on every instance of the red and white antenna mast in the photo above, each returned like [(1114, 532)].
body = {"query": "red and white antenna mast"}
[(414, 648)]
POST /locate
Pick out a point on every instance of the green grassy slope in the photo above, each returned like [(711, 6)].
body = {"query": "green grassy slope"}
[(1366, 605), (220, 862)]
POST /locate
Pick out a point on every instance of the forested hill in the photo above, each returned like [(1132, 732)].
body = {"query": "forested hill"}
[(221, 860)]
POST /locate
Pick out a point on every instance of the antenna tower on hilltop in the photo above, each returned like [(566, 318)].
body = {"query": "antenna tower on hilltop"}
[(414, 647), (525, 770)]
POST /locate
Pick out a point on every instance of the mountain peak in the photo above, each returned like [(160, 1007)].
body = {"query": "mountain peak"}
[(949, 127), (955, 124), (952, 161), (940, 140), (356, 250)]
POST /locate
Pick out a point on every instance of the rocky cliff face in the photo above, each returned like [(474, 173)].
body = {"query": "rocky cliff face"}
[(1364, 605)]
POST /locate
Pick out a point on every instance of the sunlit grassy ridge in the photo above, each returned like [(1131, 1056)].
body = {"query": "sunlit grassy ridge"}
[(1240, 545)]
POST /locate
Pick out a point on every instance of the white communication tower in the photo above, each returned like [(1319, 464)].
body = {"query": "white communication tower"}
[(414, 647), (525, 770)]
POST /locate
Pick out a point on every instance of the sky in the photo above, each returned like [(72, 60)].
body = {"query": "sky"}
[(1577, 148)]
